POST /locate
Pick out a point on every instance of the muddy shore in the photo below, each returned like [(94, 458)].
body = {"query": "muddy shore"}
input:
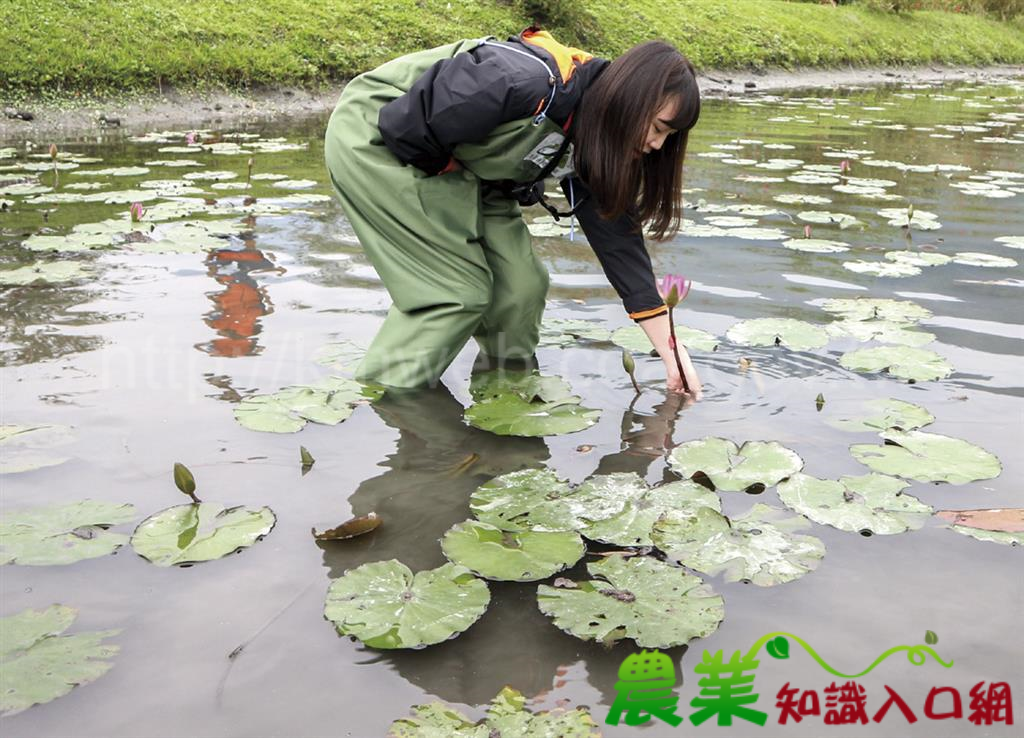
[(176, 110)]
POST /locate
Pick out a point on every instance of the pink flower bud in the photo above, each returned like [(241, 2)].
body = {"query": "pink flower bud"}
[(807, 231), (136, 211)]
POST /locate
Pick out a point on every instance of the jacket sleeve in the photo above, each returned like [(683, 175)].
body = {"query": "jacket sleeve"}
[(619, 246), (457, 100)]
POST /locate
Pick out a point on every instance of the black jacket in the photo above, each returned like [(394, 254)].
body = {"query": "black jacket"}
[(462, 99)]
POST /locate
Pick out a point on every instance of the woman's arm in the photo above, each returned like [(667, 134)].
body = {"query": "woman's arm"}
[(657, 329)]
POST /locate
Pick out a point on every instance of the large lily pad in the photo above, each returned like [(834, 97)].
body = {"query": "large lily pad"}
[(506, 717), (537, 500), (62, 534), (1014, 242), (39, 664), (758, 547), (882, 268), (329, 402), (815, 245), (976, 258), (843, 220), (869, 308), (904, 362), (879, 330), (22, 446), (47, 272), (635, 339), (886, 414), (524, 556), (385, 606), (733, 468), (870, 503), (526, 404), (188, 534), (654, 603), (795, 334), (928, 457), (643, 506), (1002, 525), (566, 331), (918, 258)]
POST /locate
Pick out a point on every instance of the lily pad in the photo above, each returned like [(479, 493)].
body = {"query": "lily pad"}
[(655, 604), (506, 717), (870, 308), (842, 220), (47, 272), (882, 268), (918, 258), (974, 258), (565, 332), (879, 330), (733, 468), (62, 534), (188, 534), (39, 664), (1005, 526), (918, 220), (1014, 242), (815, 245), (758, 547), (342, 355), (385, 606), (537, 500), (886, 414), (635, 339), (643, 506), (756, 234), (903, 362), (928, 457), (20, 446), (328, 402), (991, 536), (871, 503), (794, 199), (794, 334), (524, 556), (526, 404)]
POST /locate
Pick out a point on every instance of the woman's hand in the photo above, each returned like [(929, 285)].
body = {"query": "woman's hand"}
[(674, 381)]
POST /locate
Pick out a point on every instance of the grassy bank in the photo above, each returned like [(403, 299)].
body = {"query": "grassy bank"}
[(100, 46)]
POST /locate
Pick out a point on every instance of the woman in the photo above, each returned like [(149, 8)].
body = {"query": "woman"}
[(433, 153)]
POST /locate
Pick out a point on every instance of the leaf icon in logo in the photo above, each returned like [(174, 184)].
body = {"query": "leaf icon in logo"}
[(930, 638), (778, 647)]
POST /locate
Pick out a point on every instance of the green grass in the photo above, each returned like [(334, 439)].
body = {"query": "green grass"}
[(80, 46)]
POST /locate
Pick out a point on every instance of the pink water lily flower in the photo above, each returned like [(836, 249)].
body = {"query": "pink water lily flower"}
[(673, 289), (844, 166), (190, 138), (136, 211)]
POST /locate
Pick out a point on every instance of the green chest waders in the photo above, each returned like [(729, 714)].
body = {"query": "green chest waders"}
[(453, 253)]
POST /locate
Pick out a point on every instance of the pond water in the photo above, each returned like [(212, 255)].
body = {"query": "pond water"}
[(145, 355)]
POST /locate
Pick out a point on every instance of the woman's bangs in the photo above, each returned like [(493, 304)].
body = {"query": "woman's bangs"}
[(689, 108)]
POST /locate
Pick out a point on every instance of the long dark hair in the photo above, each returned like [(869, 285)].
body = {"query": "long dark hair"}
[(611, 127)]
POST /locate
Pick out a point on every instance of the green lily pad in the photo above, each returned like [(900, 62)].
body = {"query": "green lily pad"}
[(755, 234), (758, 547), (702, 230), (872, 502), (928, 457), (794, 334), (385, 606), (794, 199), (47, 272), (526, 404), (524, 556), (20, 446), (633, 338), (328, 402), (209, 176), (731, 221), (39, 664), (826, 217), (294, 184), (537, 500), (62, 534), (565, 332), (886, 414), (343, 355), (1014, 242), (655, 604), (870, 308), (919, 220), (506, 717), (731, 468), (879, 330), (974, 258), (815, 245), (882, 268), (188, 534), (918, 258), (114, 172), (643, 506), (904, 362), (991, 536)]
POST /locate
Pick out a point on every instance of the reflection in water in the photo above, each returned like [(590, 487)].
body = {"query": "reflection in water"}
[(237, 308), (439, 461)]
